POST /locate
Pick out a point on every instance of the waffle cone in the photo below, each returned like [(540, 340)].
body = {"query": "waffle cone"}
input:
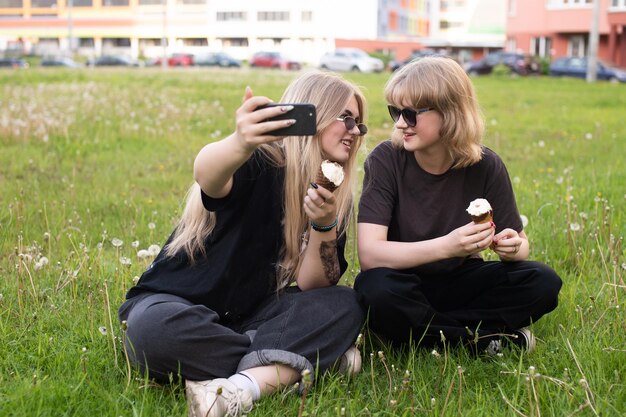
[(320, 179), (483, 218)]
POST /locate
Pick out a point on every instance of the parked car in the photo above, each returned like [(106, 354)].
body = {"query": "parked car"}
[(350, 59), (395, 65), (219, 59), (570, 66), (59, 61), (115, 61), (520, 64), (13, 63), (273, 60), (180, 60)]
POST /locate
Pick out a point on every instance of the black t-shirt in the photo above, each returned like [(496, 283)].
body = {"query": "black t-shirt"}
[(239, 270), (416, 205)]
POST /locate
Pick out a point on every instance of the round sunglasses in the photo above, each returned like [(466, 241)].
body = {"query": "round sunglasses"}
[(409, 115), (350, 122)]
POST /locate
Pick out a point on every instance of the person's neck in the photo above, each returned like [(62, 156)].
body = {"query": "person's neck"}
[(435, 163)]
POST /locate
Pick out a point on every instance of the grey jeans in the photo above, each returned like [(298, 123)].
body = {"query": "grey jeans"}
[(171, 337)]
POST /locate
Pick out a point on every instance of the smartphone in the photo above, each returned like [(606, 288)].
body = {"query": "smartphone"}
[(304, 114)]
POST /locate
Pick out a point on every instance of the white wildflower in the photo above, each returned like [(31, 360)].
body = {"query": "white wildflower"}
[(524, 220), (154, 250)]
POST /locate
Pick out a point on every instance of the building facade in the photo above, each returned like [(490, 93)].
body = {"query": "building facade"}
[(302, 29), (554, 28)]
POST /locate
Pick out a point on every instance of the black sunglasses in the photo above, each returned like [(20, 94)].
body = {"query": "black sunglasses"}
[(350, 122), (409, 115)]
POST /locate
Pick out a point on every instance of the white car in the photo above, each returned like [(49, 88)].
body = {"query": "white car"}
[(351, 59)]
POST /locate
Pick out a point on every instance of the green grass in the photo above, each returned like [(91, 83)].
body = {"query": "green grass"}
[(95, 155)]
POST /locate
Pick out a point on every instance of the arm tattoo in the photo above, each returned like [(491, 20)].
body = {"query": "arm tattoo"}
[(330, 263)]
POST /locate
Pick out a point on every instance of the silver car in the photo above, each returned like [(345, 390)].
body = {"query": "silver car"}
[(351, 59)]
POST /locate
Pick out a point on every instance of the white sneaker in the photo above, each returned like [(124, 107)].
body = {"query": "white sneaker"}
[(217, 398), (525, 339), (350, 362)]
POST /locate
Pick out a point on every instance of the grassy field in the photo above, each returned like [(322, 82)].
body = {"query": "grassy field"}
[(94, 165)]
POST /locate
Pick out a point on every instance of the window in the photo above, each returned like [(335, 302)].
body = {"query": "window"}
[(540, 46), (11, 4), (82, 3), (195, 41), (85, 43), (191, 1), (569, 3), (272, 16), (116, 42), (306, 16), (150, 2), (109, 3), (231, 16), (241, 42), (44, 3), (577, 46)]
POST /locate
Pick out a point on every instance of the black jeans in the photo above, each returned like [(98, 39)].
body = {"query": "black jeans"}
[(479, 297), (170, 336)]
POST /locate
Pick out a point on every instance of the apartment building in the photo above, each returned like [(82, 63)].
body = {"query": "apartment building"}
[(147, 28), (553, 28), (302, 29)]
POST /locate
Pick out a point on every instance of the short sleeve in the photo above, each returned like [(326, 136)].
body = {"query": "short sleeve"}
[(379, 194)]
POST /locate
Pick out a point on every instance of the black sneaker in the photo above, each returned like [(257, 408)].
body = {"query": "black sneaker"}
[(522, 338)]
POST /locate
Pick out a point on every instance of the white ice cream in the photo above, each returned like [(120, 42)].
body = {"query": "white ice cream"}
[(479, 207), (333, 171)]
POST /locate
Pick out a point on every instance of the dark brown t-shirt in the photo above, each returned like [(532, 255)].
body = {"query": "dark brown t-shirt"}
[(416, 205)]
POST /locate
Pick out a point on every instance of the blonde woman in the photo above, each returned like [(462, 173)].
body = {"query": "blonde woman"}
[(243, 297), (423, 278)]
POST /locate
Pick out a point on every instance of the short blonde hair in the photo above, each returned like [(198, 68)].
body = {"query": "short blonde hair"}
[(441, 83)]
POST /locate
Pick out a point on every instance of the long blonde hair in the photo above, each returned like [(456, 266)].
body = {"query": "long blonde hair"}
[(441, 83), (301, 158)]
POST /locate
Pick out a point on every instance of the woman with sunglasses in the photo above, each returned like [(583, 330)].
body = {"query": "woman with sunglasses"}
[(243, 297), (423, 278)]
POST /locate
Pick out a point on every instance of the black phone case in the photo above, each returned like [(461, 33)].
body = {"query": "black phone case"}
[(306, 123)]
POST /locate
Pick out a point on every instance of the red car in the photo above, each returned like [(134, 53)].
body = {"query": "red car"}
[(177, 60), (273, 60)]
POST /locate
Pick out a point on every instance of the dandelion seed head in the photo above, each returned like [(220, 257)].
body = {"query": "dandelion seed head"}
[(117, 242), (143, 254), (154, 250), (125, 261), (541, 144), (103, 330), (151, 226), (517, 180), (135, 244), (588, 136), (574, 227), (524, 220)]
